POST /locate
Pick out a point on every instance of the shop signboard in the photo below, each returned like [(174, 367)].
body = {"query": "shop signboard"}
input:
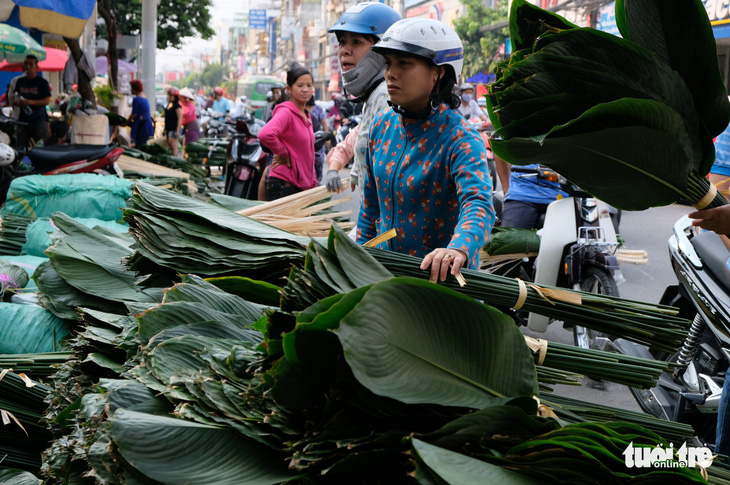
[(257, 18)]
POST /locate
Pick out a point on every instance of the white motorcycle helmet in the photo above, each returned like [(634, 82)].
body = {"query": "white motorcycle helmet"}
[(7, 155), (427, 38)]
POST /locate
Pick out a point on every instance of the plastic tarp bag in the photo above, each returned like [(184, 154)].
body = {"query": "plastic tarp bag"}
[(38, 233), (29, 264), (26, 329), (85, 195)]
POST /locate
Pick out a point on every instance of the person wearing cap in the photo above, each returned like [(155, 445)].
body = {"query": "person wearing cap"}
[(173, 120), (141, 119), (357, 30), (482, 102), (220, 104), (273, 96), (469, 107), (241, 106), (425, 171), (191, 128)]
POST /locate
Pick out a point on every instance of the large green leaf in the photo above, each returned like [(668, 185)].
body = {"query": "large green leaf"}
[(458, 469), (527, 22), (93, 263), (12, 476), (361, 268), (417, 342), (634, 143), (680, 34), (248, 289), (173, 314), (177, 452)]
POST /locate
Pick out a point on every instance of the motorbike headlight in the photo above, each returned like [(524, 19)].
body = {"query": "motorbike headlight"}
[(589, 210)]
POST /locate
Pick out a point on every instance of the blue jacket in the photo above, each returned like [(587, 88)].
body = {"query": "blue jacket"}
[(429, 180)]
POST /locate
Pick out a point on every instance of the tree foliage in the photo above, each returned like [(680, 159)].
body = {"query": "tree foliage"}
[(210, 77), (481, 49), (176, 19)]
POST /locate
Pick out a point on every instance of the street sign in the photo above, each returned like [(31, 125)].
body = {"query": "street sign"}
[(257, 19)]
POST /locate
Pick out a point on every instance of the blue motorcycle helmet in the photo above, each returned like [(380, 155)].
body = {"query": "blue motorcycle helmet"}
[(366, 18), (370, 20)]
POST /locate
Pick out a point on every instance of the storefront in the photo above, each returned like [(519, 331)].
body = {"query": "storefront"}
[(719, 13)]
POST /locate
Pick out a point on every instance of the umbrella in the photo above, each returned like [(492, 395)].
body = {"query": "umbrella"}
[(102, 65), (64, 17), (16, 44), (55, 61)]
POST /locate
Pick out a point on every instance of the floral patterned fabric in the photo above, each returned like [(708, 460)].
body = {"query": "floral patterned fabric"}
[(428, 179)]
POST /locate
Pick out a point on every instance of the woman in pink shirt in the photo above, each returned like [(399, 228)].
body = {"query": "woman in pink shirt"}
[(189, 117), (290, 137)]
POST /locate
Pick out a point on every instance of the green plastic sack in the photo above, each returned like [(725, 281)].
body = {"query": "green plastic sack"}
[(78, 195), (26, 329), (28, 263), (38, 233)]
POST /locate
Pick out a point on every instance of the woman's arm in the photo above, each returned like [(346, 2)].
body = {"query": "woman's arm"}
[(338, 157), (272, 132), (468, 165), (370, 205), (179, 113)]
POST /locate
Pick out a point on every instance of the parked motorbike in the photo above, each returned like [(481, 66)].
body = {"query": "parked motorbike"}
[(56, 160), (344, 129), (691, 392), (216, 127), (245, 159), (577, 250)]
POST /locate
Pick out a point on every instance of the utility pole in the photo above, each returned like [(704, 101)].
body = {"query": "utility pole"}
[(149, 49)]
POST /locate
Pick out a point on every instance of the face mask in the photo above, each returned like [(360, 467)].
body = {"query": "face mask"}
[(370, 68), (467, 97)]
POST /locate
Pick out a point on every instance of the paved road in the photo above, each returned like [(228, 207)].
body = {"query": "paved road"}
[(648, 230)]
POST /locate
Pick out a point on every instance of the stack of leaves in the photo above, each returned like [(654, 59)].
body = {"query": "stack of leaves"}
[(163, 159), (36, 366), (86, 268), (344, 266), (207, 151), (642, 109), (200, 389), (22, 435), (190, 236), (540, 450), (356, 374), (654, 325), (573, 410), (12, 234), (596, 364)]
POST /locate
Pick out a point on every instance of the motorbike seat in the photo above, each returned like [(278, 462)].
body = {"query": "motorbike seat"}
[(47, 158), (714, 255)]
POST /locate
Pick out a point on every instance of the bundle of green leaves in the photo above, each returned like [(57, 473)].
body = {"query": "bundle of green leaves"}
[(631, 120)]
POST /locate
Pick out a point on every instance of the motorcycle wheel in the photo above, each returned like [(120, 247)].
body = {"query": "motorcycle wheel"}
[(600, 282)]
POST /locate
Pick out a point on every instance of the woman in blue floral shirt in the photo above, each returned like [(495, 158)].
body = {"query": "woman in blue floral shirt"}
[(426, 167)]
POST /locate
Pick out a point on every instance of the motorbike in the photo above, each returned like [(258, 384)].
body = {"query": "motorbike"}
[(692, 391), (59, 159), (344, 129), (577, 250), (216, 127), (245, 159)]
